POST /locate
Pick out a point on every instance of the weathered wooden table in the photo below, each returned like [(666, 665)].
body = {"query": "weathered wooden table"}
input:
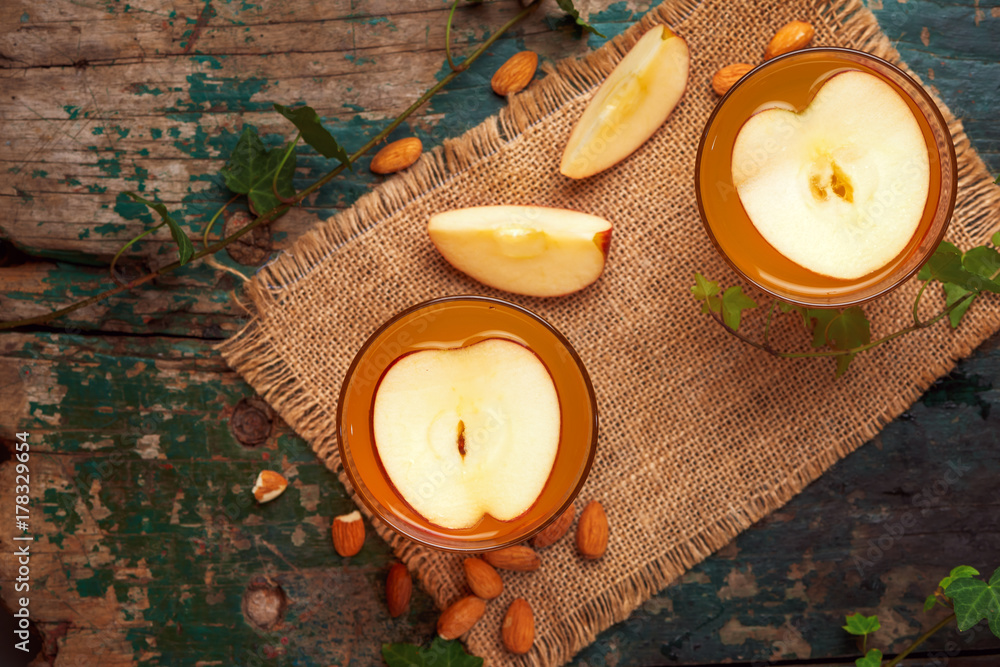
[(145, 444)]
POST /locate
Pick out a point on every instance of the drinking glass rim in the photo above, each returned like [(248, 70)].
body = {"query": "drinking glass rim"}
[(471, 546), (951, 157)]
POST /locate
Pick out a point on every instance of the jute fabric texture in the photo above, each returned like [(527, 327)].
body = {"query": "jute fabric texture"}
[(701, 435)]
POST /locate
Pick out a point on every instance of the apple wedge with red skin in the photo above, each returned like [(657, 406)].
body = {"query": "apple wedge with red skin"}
[(631, 104), (529, 250)]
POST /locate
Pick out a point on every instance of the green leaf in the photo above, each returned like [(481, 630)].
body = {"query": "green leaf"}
[(712, 304), (734, 302), (402, 655), (984, 262), (817, 320), (995, 239), (997, 179), (953, 293), (440, 653), (843, 361), (872, 659), (859, 624), (703, 287), (185, 249), (975, 600), (574, 13), (313, 133), (946, 265), (924, 274), (963, 572), (251, 168), (930, 602), (849, 329)]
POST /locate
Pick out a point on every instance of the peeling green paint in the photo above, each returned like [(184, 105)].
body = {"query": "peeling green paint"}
[(212, 62), (155, 133), (71, 111)]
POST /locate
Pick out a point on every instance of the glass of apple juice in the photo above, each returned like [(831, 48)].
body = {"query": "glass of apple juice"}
[(467, 423), (826, 177)]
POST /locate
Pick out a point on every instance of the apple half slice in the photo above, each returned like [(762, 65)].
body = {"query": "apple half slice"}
[(530, 250), (840, 187), (631, 104), (469, 431)]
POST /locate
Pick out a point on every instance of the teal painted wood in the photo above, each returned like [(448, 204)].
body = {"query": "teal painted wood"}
[(147, 489)]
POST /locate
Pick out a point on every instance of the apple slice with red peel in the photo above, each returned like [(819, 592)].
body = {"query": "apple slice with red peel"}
[(530, 250), (630, 105)]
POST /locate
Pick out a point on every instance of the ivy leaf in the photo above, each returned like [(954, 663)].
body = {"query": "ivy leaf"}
[(713, 304), (734, 302), (859, 624), (313, 133), (975, 600), (960, 572), (924, 274), (849, 330), (872, 659), (843, 361), (984, 262), (946, 266), (574, 13), (251, 168), (818, 320), (953, 293), (995, 239), (930, 602), (440, 653), (704, 288), (185, 249)]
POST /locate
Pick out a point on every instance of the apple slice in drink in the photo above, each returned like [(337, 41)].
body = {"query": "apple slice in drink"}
[(468, 431), (531, 250), (840, 187), (631, 104)]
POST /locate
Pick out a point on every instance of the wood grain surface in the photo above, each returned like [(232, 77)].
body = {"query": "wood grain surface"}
[(150, 550)]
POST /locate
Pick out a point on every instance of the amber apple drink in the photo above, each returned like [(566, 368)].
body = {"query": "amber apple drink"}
[(467, 423), (826, 177)]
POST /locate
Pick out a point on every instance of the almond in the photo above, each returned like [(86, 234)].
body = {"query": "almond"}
[(519, 557), (396, 156), (592, 531), (518, 629), (515, 74), (790, 37), (348, 534), (726, 77), (269, 485), (553, 532), (398, 588), (457, 619), (483, 579)]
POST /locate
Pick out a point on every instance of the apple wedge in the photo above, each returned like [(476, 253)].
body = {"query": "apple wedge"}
[(530, 250), (840, 187), (469, 431), (630, 105)]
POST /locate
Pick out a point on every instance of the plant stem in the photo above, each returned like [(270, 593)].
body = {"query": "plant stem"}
[(114, 260), (281, 208), (284, 159), (447, 40), (211, 223), (836, 353), (920, 640), (916, 303)]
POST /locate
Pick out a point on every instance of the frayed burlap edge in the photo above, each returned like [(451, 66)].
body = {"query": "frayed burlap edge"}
[(247, 351)]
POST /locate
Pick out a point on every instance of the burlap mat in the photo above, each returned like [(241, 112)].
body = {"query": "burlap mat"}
[(700, 435)]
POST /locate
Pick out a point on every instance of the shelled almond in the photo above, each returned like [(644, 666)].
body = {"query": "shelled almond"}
[(592, 531), (553, 532), (348, 533), (792, 36), (515, 74), (727, 77), (459, 618), (397, 156), (398, 589), (482, 578), (519, 558), (518, 628)]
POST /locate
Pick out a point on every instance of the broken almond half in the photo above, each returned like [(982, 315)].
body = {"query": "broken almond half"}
[(269, 485)]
